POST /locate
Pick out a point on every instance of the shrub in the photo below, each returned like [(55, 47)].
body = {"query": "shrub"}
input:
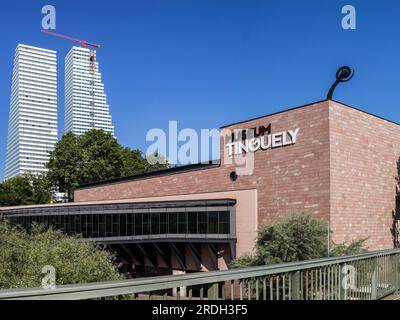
[(23, 255), (295, 237)]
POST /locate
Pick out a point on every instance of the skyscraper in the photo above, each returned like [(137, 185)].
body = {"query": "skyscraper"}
[(32, 126), (85, 101)]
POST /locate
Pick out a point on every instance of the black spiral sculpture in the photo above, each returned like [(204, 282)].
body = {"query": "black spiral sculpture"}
[(344, 74)]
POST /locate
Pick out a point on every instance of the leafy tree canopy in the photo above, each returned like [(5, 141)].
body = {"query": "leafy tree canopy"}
[(101, 154), (23, 255), (135, 162), (24, 190), (295, 237), (91, 157)]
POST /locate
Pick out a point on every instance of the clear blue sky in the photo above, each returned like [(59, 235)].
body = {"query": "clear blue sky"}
[(206, 63)]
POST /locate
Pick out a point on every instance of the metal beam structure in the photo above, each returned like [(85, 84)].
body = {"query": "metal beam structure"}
[(169, 221)]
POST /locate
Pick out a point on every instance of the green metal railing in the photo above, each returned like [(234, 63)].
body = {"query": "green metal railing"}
[(367, 276)]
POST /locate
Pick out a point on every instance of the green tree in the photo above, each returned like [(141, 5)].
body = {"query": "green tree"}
[(102, 158), (23, 255), (344, 249), (24, 190), (15, 191), (65, 163), (91, 157), (156, 162), (134, 162), (41, 188), (295, 237)]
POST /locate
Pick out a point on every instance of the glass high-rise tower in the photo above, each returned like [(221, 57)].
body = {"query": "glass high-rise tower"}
[(85, 100), (32, 124)]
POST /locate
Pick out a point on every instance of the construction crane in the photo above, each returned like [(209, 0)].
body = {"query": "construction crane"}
[(92, 66), (83, 43)]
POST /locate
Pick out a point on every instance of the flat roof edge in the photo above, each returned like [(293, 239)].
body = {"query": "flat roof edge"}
[(150, 204), (274, 113), (308, 105), (154, 174)]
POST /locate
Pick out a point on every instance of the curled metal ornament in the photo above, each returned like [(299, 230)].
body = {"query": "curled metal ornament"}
[(344, 74)]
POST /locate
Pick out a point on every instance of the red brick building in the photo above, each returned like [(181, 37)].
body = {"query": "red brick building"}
[(340, 165)]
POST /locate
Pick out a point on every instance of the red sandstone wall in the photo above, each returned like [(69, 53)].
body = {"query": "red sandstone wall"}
[(293, 178), (289, 179), (364, 152)]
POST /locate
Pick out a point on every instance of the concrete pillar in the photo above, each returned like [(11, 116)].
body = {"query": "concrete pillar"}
[(183, 293)]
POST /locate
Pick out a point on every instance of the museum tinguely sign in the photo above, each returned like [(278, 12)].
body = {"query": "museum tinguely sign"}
[(261, 138)]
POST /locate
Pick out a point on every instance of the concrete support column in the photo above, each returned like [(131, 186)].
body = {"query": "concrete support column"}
[(182, 290)]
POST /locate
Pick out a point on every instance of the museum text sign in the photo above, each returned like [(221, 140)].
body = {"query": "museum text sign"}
[(261, 138)]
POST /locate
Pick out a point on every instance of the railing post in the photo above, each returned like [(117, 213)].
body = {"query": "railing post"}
[(396, 272), (295, 286), (374, 280), (212, 291)]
